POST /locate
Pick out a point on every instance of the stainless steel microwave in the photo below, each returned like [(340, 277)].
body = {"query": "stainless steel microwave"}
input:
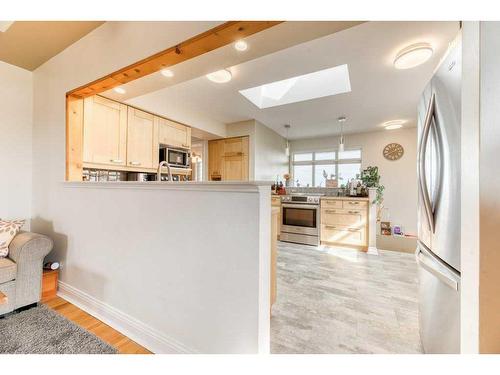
[(175, 157)]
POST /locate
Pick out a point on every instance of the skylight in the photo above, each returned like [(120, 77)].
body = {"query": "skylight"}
[(327, 82)]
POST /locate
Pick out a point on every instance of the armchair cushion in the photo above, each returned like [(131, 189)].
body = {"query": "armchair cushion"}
[(7, 270), (8, 230)]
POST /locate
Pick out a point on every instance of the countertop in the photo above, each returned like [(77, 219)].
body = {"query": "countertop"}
[(347, 198)]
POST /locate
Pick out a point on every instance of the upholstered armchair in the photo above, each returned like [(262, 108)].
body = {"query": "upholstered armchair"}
[(21, 271)]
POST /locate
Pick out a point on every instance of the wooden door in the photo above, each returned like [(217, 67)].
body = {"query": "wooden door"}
[(104, 131), (174, 134), (215, 160), (235, 158), (142, 139)]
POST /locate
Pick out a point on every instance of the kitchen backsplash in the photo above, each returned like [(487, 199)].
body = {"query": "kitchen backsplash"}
[(315, 190)]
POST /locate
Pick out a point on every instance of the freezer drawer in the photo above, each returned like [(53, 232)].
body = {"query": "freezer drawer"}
[(439, 299)]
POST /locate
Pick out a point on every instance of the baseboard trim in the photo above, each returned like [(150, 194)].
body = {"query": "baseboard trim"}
[(134, 329)]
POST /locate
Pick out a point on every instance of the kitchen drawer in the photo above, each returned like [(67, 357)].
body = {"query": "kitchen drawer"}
[(343, 235), (355, 204), (331, 203), (343, 217)]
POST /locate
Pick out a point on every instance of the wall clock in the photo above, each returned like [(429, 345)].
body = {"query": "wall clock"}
[(393, 151)]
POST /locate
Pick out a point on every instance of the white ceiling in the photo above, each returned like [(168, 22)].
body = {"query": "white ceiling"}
[(379, 91)]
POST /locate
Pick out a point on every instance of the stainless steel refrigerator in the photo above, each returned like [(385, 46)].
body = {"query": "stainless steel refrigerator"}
[(438, 249)]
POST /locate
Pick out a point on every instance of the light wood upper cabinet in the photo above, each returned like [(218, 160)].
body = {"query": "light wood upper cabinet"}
[(142, 139), (104, 131), (174, 134)]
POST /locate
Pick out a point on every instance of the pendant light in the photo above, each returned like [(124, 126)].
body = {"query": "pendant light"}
[(341, 121), (287, 149)]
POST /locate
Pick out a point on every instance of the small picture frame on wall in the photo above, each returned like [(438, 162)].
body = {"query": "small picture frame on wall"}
[(385, 228)]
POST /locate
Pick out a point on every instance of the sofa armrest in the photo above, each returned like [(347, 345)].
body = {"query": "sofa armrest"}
[(28, 247), (28, 250)]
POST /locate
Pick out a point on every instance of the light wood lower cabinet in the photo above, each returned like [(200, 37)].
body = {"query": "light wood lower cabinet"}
[(104, 132), (344, 222), (228, 159), (274, 252), (142, 139), (276, 202)]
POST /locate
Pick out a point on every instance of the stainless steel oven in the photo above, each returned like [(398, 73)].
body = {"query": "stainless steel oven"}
[(175, 157), (300, 219)]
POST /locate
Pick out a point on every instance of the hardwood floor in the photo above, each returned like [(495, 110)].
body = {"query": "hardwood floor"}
[(121, 342)]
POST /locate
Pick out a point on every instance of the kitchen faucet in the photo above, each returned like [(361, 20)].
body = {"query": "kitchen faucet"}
[(169, 171)]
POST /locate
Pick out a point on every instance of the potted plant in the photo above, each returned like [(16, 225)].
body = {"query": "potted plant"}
[(371, 179)]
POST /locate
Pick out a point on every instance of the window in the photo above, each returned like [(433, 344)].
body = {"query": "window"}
[(309, 168)]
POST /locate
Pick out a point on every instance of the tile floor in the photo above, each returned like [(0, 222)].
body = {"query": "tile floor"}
[(334, 300)]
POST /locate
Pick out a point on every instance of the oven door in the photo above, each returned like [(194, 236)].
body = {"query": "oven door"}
[(300, 219), (177, 158)]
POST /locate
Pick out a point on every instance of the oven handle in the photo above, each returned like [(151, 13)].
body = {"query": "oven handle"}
[(306, 206)]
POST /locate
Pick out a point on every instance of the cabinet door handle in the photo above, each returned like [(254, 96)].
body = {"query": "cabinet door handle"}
[(134, 163), (352, 229), (353, 212), (116, 161), (353, 202), (330, 227), (331, 211)]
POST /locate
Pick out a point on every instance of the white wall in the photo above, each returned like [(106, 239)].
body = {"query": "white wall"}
[(480, 256), (399, 177), (157, 259), (267, 149), (270, 158), (16, 119)]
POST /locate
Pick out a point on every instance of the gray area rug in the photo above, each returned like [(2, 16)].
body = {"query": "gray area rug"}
[(41, 330)]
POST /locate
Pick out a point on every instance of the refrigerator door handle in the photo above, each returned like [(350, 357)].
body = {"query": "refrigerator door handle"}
[(448, 277), (421, 164)]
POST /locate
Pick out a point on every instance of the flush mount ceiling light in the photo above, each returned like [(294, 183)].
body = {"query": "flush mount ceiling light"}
[(119, 90), (394, 124), (4, 25), (220, 76), (326, 82), (413, 56), (241, 45), (167, 73)]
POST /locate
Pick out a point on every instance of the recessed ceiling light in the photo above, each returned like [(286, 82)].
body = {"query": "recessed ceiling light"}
[(394, 124), (413, 56), (241, 45), (326, 82), (167, 73), (119, 90), (220, 76)]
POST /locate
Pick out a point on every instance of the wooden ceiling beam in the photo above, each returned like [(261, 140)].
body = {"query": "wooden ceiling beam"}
[(219, 36)]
